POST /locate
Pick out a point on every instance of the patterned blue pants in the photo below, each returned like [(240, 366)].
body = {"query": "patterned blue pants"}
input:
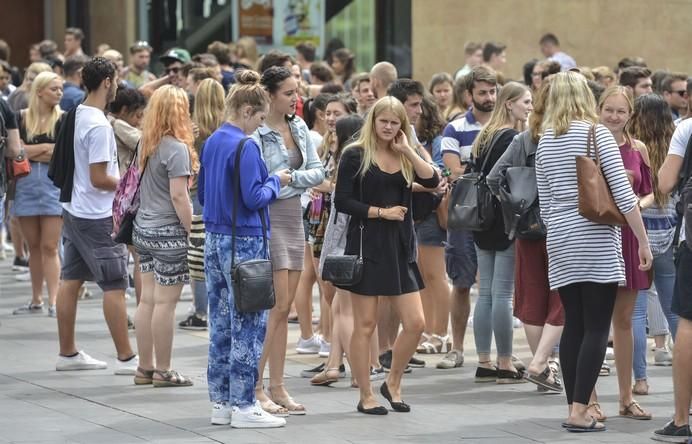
[(235, 339)]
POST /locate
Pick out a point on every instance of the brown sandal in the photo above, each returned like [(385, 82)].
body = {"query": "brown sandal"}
[(170, 378), (597, 413), (144, 377), (635, 411), (288, 403)]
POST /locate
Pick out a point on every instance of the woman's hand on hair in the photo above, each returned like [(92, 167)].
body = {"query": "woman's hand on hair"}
[(400, 144)]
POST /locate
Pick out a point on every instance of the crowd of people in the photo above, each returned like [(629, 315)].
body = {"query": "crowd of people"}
[(244, 157)]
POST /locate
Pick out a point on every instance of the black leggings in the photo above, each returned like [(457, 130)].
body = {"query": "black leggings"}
[(588, 311)]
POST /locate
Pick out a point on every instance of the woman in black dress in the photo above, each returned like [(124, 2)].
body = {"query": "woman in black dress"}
[(374, 187)]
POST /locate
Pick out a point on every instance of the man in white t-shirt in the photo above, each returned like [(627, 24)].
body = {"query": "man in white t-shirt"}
[(90, 254), (668, 177)]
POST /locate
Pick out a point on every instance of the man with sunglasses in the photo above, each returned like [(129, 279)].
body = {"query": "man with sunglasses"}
[(675, 93), (173, 61), (136, 73)]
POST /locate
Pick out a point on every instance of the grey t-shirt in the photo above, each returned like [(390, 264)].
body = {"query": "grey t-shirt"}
[(171, 159)]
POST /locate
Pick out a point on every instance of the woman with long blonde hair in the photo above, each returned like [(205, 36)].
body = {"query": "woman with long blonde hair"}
[(166, 160), (495, 251), (374, 186), (208, 115), (36, 202)]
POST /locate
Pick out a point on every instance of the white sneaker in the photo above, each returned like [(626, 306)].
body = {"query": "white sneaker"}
[(309, 346), (220, 413), (325, 348), (128, 368), (254, 418), (81, 361), (610, 354), (662, 357), (23, 277), (516, 323)]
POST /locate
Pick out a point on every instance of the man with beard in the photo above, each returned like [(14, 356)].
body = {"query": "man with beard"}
[(136, 74), (90, 254), (460, 252)]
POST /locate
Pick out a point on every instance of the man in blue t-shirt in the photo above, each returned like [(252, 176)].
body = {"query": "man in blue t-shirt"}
[(73, 94)]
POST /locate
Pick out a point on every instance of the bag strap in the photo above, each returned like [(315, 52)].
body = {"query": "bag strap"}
[(489, 151), (236, 197), (591, 142)]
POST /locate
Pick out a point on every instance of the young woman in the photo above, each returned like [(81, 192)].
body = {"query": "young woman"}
[(166, 160), (236, 339), (616, 107), (36, 200), (344, 65), (584, 258), (286, 143), (535, 305), (431, 240), (126, 113), (373, 186), (652, 124), (495, 251), (441, 87), (461, 100)]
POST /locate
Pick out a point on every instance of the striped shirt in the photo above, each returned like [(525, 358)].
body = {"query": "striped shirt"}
[(580, 250), (458, 136)]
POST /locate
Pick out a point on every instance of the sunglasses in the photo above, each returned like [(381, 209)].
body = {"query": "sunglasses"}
[(174, 70), (141, 44)]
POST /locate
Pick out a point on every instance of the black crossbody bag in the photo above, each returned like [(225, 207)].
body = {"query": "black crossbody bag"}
[(253, 279)]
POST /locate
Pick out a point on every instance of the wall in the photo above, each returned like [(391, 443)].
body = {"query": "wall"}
[(594, 32), (20, 38)]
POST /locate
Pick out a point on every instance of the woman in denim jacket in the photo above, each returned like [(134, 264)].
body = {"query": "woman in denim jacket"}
[(286, 143)]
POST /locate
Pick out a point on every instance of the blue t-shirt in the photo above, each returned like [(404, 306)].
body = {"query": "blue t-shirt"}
[(73, 95)]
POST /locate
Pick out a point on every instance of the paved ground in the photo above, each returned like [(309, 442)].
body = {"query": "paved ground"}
[(39, 405)]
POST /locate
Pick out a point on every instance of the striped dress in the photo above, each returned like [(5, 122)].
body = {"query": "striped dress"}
[(580, 250)]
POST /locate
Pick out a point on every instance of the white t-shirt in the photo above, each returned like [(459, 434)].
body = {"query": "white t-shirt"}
[(94, 142), (678, 146)]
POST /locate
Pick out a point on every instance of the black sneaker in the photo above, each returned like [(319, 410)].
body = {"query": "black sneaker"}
[(193, 322), (673, 433), (386, 362), (309, 373), (130, 324), (416, 363), (20, 264)]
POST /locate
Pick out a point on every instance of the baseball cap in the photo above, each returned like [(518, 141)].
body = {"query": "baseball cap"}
[(175, 55)]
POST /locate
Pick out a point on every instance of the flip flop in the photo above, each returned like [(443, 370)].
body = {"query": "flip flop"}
[(583, 429)]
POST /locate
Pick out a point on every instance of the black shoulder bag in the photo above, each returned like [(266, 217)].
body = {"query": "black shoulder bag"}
[(345, 270), (253, 279)]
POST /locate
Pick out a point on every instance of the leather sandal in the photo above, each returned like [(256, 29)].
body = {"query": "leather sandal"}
[(143, 377), (170, 378), (594, 409), (635, 411), (325, 378), (288, 403), (273, 408)]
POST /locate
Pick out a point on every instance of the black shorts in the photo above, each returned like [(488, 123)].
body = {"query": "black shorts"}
[(682, 295)]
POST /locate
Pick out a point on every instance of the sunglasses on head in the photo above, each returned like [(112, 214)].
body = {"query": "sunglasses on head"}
[(142, 44)]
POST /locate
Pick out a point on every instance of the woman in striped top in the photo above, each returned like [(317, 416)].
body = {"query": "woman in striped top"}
[(584, 258)]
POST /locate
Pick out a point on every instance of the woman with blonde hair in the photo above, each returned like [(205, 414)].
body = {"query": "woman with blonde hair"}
[(584, 258), (166, 161), (374, 186), (19, 98), (36, 200), (494, 249)]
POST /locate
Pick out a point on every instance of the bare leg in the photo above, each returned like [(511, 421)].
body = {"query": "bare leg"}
[(17, 238), (51, 229), (435, 279), (410, 311), (682, 377), (145, 310), (364, 323), (551, 336), (623, 342), (303, 299), (533, 336), (115, 312), (460, 310), (31, 229), (163, 322), (67, 313)]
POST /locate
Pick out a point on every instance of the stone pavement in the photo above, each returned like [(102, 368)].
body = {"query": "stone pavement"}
[(40, 405)]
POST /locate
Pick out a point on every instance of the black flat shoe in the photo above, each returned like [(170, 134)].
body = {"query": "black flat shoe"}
[(379, 410), (396, 406)]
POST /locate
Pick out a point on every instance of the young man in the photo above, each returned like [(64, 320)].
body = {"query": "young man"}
[(495, 55), (136, 73), (382, 75), (362, 92), (550, 47), (637, 79), (173, 62), (305, 56), (675, 93), (89, 251), (460, 252), (73, 94), (474, 57), (73, 42), (678, 430)]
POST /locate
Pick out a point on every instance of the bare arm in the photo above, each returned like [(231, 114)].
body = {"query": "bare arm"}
[(98, 174), (14, 145), (634, 220), (453, 163), (39, 152), (148, 88), (669, 172), (181, 201)]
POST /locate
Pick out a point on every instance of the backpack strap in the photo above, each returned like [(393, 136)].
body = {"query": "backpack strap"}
[(683, 179)]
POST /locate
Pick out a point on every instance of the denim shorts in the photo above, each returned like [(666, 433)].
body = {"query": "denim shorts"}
[(35, 194), (460, 258), (430, 233), (163, 251)]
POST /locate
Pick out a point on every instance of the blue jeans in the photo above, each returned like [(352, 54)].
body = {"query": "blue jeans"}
[(493, 312), (236, 339), (664, 279)]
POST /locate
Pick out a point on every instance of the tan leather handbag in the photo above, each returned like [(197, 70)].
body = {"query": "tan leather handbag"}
[(595, 199)]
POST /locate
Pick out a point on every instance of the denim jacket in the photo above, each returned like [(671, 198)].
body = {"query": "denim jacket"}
[(310, 173)]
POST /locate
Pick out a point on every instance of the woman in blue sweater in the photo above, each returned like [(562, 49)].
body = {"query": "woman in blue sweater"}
[(236, 339)]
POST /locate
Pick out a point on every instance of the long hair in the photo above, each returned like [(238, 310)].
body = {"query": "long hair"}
[(627, 94), (209, 107), (430, 123), (368, 136), (33, 124), (167, 114), (652, 123), (570, 99), (350, 106), (501, 116), (539, 103)]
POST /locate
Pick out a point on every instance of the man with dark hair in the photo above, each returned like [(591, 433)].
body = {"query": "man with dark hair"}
[(495, 55), (173, 61), (626, 62), (223, 55), (320, 74), (73, 42), (460, 252), (410, 93), (305, 56), (90, 254), (550, 47), (637, 79), (137, 72), (675, 93), (275, 58), (473, 52), (73, 94), (5, 55)]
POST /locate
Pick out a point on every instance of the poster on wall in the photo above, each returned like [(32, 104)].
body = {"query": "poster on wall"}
[(279, 24)]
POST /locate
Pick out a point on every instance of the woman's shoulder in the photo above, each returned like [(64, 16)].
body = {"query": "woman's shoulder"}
[(352, 153), (299, 124)]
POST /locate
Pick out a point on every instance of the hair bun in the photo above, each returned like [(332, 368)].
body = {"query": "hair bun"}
[(247, 77)]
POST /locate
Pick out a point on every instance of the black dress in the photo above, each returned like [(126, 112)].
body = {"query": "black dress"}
[(389, 247)]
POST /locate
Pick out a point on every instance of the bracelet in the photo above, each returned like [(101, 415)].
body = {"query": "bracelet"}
[(379, 213)]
